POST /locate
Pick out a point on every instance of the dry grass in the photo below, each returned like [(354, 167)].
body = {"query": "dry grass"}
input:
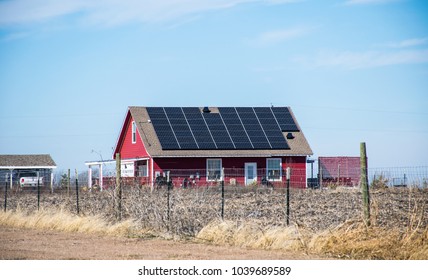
[(350, 240), (353, 240), (252, 235), (323, 221), (63, 221)]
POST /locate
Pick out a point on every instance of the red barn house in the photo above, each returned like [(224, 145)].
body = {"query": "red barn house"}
[(200, 146)]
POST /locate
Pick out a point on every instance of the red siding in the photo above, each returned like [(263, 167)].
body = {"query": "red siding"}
[(181, 168), (127, 149)]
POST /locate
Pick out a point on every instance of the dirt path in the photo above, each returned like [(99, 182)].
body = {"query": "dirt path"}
[(31, 244)]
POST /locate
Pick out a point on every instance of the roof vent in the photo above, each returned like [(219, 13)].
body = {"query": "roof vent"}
[(290, 135), (206, 110)]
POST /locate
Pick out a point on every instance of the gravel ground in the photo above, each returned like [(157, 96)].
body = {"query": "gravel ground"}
[(33, 244)]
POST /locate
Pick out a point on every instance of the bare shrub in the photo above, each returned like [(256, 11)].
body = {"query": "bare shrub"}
[(326, 220)]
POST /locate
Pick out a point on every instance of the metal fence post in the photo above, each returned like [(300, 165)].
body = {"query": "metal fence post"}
[(77, 193), (169, 187), (38, 191), (5, 196), (222, 200), (68, 182), (288, 196), (168, 204)]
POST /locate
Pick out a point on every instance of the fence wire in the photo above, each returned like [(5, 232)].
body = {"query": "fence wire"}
[(186, 211)]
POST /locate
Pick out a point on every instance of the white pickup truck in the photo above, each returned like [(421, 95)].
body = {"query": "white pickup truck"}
[(30, 179)]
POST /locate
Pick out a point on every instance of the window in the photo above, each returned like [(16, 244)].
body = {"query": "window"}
[(273, 170), (213, 169), (143, 169), (134, 133)]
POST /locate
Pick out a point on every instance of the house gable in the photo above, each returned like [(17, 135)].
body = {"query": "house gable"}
[(127, 146)]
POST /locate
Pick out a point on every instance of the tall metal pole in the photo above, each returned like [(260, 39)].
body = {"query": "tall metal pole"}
[(365, 183)]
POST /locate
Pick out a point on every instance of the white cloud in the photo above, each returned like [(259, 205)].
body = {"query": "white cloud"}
[(386, 54), (23, 11), (112, 12), (369, 59), (367, 2), (414, 42), (277, 36)]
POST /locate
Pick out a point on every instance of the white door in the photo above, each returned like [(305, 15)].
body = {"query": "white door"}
[(250, 173)]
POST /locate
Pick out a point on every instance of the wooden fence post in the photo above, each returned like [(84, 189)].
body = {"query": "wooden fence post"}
[(118, 189), (365, 183)]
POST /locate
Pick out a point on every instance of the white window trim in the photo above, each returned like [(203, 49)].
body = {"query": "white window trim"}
[(134, 132), (280, 170), (221, 169)]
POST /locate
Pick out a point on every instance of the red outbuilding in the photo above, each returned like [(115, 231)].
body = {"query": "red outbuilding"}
[(344, 171), (191, 146)]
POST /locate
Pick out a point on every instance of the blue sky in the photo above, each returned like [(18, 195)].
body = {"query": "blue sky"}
[(352, 71)]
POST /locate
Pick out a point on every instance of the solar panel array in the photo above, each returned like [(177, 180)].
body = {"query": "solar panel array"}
[(232, 128)]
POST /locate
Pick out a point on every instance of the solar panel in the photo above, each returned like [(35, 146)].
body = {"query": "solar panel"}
[(271, 128), (253, 128), (163, 128), (188, 128), (235, 128), (284, 118), (181, 128), (218, 131), (199, 128)]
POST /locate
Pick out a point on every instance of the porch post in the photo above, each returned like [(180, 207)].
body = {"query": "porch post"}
[(152, 175), (90, 177), (52, 177)]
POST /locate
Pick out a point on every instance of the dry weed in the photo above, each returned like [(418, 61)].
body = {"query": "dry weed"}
[(251, 235), (63, 221), (323, 221)]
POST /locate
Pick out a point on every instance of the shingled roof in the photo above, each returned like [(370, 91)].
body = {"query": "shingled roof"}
[(298, 145), (26, 161)]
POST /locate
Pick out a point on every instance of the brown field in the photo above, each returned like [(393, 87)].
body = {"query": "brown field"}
[(36, 244), (324, 223)]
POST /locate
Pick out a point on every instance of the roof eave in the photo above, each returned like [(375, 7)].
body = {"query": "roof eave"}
[(29, 167), (232, 156)]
